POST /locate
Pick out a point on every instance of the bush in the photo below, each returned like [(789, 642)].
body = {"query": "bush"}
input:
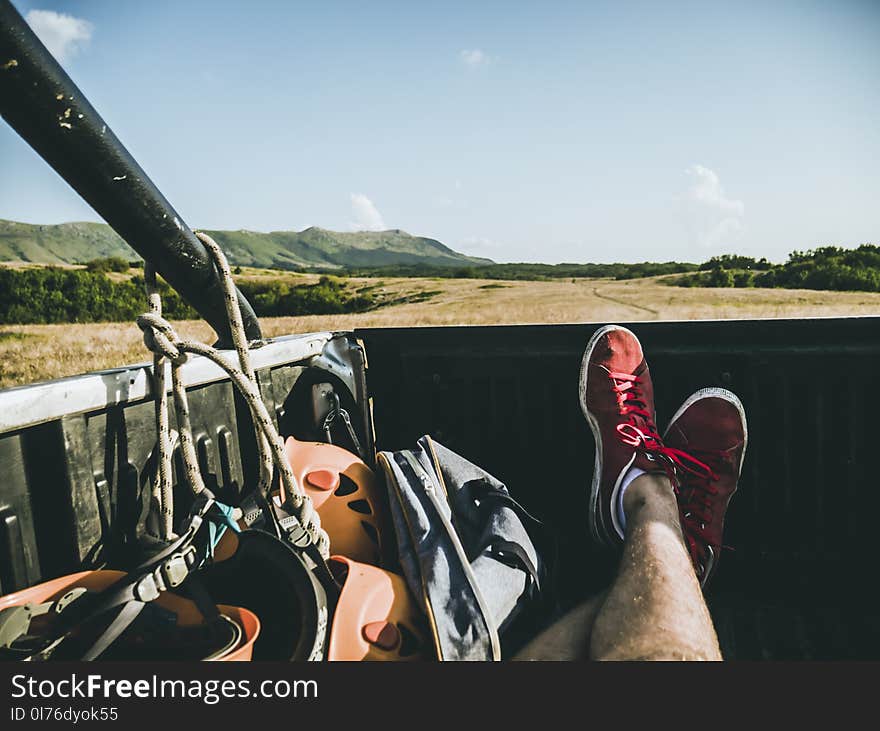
[(108, 264), (826, 267), (52, 295), (328, 296), (829, 267), (735, 261), (719, 278), (766, 279), (55, 295)]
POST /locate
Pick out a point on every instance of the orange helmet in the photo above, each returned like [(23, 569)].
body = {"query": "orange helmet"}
[(376, 616), (345, 494), (177, 629)]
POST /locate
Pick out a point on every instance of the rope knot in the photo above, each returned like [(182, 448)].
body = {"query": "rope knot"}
[(163, 341), (160, 337)]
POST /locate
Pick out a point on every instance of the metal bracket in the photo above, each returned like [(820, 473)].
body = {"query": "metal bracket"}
[(337, 412), (322, 402)]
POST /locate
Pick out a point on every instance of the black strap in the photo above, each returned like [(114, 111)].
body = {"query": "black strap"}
[(132, 592), (525, 562), (490, 492), (193, 588), (143, 585), (126, 616), (495, 494)]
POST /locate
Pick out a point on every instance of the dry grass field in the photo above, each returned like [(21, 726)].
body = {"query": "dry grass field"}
[(37, 352)]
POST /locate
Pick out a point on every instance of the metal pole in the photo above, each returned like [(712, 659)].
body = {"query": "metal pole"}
[(40, 102)]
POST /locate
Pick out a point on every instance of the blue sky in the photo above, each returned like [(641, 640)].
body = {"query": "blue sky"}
[(548, 131)]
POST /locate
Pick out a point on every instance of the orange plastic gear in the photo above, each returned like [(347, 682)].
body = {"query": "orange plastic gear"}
[(346, 496), (376, 617), (186, 610)]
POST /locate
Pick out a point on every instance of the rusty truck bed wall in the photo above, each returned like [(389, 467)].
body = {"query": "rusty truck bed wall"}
[(800, 582)]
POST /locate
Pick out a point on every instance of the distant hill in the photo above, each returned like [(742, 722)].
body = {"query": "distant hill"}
[(71, 243)]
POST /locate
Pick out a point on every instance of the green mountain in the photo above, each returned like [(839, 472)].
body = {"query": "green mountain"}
[(71, 243)]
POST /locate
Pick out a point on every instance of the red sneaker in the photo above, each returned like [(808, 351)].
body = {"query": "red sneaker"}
[(617, 398), (711, 427)]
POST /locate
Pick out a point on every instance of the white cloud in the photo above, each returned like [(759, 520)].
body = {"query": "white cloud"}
[(64, 35), (714, 219), (708, 191), (474, 57), (366, 215)]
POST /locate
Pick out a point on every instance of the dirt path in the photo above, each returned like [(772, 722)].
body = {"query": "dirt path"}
[(638, 308)]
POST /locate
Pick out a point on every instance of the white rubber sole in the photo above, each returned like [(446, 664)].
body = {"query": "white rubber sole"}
[(593, 512)]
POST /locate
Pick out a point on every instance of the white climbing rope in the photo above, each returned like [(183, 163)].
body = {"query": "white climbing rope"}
[(162, 488), (242, 348), (164, 342)]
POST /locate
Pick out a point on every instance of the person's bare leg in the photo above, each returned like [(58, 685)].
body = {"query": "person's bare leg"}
[(568, 638), (655, 608)]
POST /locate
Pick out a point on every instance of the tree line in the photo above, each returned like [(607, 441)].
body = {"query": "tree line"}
[(59, 295), (527, 271), (826, 267)]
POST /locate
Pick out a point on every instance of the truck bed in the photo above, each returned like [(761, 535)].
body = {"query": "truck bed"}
[(800, 580), (798, 584)]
